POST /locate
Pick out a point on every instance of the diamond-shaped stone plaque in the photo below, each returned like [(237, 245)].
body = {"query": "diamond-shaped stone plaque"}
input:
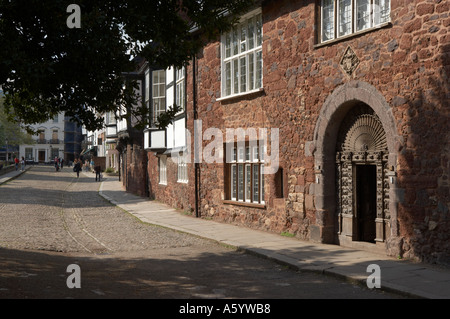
[(349, 61)]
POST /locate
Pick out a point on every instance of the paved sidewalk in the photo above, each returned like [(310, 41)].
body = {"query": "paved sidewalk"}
[(417, 280), (8, 176)]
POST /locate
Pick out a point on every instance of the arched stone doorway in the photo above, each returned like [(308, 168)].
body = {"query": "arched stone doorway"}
[(330, 140), (362, 178)]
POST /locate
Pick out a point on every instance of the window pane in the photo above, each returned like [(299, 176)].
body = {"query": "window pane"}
[(258, 30), (228, 78), (182, 170), (158, 91), (255, 183), (251, 34), (327, 20), (262, 150), (233, 181), (258, 80), (241, 181), (241, 154), (251, 71), (235, 42), (180, 95), (345, 17), (262, 183), (183, 96), (362, 14), (162, 170), (155, 90), (243, 74), (248, 182), (381, 11), (228, 45), (255, 154), (243, 38), (236, 76)]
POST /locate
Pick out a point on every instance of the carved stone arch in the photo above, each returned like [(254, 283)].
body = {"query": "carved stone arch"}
[(324, 145), (361, 131)]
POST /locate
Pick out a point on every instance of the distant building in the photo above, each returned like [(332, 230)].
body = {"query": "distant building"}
[(100, 145), (72, 139), (58, 137), (49, 141)]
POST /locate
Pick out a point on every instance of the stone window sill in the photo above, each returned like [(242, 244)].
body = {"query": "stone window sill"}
[(240, 95), (245, 204)]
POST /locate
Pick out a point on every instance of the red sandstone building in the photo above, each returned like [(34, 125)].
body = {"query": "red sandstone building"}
[(358, 91)]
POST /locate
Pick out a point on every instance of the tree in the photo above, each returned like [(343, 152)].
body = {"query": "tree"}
[(12, 131), (47, 67)]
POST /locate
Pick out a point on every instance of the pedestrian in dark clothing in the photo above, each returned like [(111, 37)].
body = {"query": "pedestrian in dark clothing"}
[(77, 167), (98, 172)]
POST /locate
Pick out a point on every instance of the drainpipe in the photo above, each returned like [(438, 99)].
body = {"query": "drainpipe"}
[(120, 167), (196, 165)]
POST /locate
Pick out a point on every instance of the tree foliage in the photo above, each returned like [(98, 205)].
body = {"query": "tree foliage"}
[(12, 131), (47, 68)]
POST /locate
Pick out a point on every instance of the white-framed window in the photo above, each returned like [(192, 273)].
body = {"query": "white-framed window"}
[(182, 170), (163, 170), (158, 94), (110, 118), (241, 57), (28, 153), (246, 174), (180, 94), (339, 18)]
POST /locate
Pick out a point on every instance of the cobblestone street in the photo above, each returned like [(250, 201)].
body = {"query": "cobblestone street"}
[(50, 220), (56, 211)]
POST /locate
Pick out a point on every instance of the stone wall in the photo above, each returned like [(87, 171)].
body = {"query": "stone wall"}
[(176, 194), (134, 176)]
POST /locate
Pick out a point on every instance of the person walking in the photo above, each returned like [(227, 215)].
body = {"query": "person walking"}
[(77, 167), (98, 172), (22, 162), (16, 162)]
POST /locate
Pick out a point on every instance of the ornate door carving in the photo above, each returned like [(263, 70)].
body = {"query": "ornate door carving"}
[(361, 141)]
